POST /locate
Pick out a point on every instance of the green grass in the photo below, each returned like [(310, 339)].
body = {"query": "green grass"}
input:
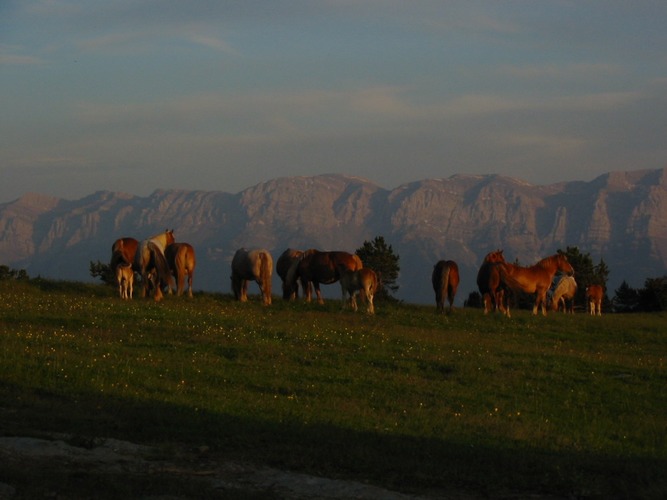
[(411, 400)]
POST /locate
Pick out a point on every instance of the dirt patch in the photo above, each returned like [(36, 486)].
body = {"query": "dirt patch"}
[(192, 473)]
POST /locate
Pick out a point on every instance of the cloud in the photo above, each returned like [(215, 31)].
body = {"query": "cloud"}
[(10, 55)]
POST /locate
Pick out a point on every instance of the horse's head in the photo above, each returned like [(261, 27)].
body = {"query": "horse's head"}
[(564, 265), (169, 235), (494, 257)]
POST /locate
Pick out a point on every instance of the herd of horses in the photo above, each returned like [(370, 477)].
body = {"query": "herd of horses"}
[(159, 260)]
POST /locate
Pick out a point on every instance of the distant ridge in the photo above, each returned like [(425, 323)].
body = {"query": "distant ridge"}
[(620, 217)]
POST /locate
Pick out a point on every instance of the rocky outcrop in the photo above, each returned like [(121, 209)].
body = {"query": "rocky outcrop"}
[(620, 217)]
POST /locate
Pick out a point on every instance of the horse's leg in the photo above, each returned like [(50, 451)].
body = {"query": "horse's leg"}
[(318, 293), (190, 273), (369, 297), (131, 285)]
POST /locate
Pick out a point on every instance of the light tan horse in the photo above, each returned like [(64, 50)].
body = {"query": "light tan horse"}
[(151, 263), (255, 265), (594, 296), (445, 280), (364, 281), (287, 259), (489, 283), (316, 267), (125, 279), (534, 279), (563, 294), (182, 261)]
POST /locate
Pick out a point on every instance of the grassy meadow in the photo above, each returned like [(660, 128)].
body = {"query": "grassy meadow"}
[(427, 404)]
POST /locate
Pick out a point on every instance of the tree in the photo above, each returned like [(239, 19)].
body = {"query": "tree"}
[(653, 297), (12, 274), (626, 299), (102, 271), (380, 257), (585, 272)]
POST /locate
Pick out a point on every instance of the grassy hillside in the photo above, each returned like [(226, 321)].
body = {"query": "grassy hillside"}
[(417, 402)]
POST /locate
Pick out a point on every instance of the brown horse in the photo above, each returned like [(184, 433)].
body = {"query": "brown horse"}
[(445, 279), (563, 293), (364, 281), (256, 265), (594, 296), (123, 251), (534, 279), (125, 279), (181, 261), (150, 262), (318, 267), (287, 259), (489, 283)]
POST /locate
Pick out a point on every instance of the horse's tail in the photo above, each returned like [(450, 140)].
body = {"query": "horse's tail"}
[(160, 264)]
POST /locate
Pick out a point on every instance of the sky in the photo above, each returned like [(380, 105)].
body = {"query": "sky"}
[(134, 96)]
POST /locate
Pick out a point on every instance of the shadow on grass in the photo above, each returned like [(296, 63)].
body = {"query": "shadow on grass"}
[(410, 465)]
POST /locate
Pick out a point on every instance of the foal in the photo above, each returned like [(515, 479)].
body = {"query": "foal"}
[(125, 278)]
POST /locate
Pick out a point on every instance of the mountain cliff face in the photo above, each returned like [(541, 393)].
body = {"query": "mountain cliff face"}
[(620, 217)]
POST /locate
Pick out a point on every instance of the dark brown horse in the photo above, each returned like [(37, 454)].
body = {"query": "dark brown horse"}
[(287, 259), (488, 282), (123, 251), (150, 262), (182, 261), (536, 278), (445, 279), (255, 265), (318, 267), (364, 281)]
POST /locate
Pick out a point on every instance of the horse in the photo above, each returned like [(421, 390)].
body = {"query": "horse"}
[(256, 265), (181, 261), (125, 279), (563, 292), (287, 259), (445, 279), (364, 281), (534, 279), (594, 296), (123, 251), (489, 283), (151, 263), (318, 267)]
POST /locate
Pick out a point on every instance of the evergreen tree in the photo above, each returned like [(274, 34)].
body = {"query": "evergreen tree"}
[(379, 256), (626, 299), (653, 297), (585, 272)]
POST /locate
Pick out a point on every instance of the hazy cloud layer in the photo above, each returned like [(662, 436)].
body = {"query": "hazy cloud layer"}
[(134, 96)]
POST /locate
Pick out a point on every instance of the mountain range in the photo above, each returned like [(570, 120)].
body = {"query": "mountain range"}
[(620, 217)]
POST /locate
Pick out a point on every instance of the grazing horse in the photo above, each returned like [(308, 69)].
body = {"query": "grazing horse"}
[(125, 279), (256, 265), (563, 293), (594, 296), (445, 279), (287, 259), (534, 279), (151, 263), (181, 261), (318, 267), (123, 251), (489, 283), (364, 281)]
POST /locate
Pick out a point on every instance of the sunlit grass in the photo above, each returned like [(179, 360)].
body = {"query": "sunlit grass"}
[(444, 397)]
